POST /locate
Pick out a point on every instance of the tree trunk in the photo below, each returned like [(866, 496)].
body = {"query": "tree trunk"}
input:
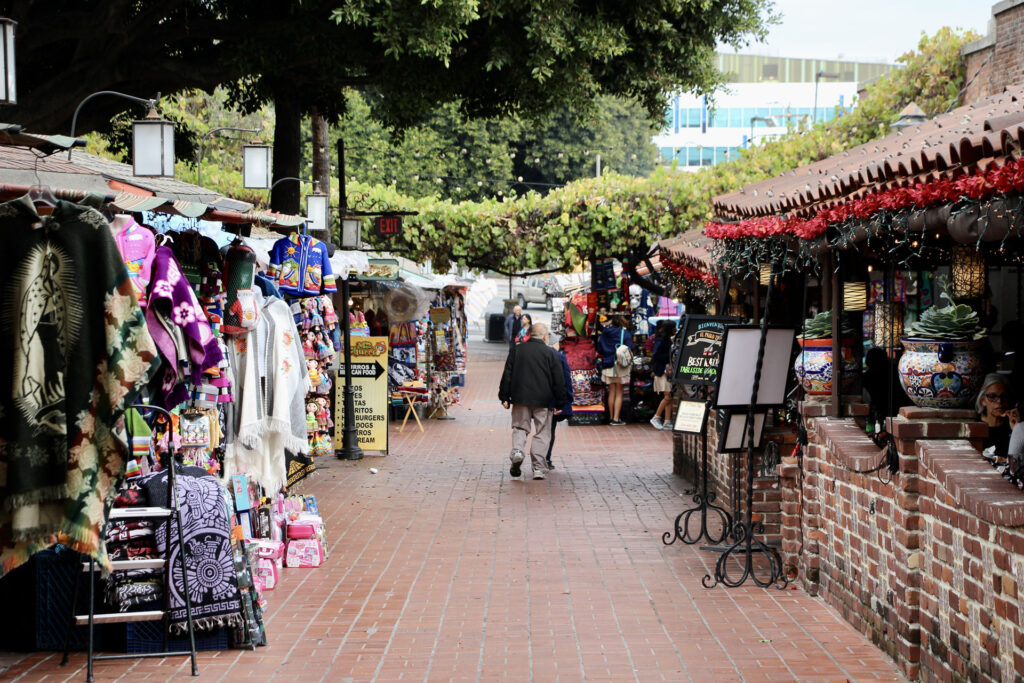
[(287, 154), (321, 153)]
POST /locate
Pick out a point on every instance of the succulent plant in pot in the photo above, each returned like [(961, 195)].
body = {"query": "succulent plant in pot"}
[(814, 364), (941, 365)]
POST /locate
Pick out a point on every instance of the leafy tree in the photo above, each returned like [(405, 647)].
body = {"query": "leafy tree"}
[(497, 57)]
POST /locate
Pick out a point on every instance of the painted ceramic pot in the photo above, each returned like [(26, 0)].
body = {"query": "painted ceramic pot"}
[(814, 367), (940, 374)]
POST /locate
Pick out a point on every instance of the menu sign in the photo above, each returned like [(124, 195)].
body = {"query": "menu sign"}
[(699, 349)]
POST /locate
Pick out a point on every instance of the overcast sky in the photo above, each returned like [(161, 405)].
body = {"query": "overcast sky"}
[(864, 30)]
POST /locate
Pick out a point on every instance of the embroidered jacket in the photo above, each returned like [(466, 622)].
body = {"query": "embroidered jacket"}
[(300, 266)]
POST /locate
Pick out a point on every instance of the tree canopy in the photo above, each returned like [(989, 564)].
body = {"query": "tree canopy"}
[(493, 57)]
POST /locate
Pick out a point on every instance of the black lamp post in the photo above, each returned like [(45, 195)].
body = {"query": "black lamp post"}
[(350, 239)]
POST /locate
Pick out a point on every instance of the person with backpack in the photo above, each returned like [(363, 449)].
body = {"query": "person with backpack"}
[(660, 354), (531, 384), (615, 345)]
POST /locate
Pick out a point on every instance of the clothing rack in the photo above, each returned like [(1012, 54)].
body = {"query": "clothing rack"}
[(173, 514)]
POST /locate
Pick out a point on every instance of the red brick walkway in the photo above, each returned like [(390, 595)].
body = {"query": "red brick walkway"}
[(444, 568)]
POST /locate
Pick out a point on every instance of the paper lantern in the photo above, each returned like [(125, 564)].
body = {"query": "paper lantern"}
[(855, 296), (888, 324), (968, 272), (256, 165), (765, 275)]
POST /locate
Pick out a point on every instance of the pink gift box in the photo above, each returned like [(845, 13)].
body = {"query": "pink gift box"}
[(303, 552)]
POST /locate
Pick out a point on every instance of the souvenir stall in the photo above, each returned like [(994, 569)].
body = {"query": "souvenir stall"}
[(152, 368), (916, 239)]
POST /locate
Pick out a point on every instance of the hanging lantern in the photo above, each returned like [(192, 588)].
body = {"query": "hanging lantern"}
[(317, 211), (765, 274), (855, 296), (968, 272), (153, 146), (351, 233), (888, 324), (256, 165), (8, 92)]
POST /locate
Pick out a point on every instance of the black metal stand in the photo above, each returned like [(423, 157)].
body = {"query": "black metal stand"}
[(350, 449), (704, 500), (745, 544)]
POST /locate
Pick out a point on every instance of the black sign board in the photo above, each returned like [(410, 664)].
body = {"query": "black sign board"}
[(698, 350), (387, 226)]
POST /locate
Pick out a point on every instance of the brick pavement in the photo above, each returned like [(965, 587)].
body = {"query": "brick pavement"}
[(444, 568)]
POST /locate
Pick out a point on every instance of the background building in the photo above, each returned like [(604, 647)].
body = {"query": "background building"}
[(763, 97)]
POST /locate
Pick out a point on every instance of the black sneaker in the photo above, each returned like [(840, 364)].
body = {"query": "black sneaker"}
[(550, 466)]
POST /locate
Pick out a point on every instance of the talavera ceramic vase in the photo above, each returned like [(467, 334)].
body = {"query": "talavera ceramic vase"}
[(940, 374), (814, 366)]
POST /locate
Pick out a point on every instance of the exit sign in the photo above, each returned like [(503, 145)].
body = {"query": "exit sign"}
[(387, 226)]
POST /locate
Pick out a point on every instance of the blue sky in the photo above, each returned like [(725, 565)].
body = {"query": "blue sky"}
[(864, 30)]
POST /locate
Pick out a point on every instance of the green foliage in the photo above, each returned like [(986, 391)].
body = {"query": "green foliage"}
[(820, 326), (955, 321)]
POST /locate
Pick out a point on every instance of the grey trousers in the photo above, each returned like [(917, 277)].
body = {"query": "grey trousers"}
[(522, 416)]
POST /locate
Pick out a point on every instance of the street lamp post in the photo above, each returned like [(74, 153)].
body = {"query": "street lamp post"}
[(202, 147), (817, 77), (767, 120), (350, 449), (8, 82)]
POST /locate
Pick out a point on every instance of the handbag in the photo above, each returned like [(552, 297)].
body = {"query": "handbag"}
[(623, 355)]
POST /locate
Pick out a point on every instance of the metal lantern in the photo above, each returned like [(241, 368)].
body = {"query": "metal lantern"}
[(317, 211), (968, 272), (855, 296), (8, 91), (256, 165), (153, 146), (351, 233), (765, 274), (888, 324)]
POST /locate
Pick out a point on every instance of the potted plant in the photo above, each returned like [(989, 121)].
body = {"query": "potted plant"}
[(941, 364), (814, 366)]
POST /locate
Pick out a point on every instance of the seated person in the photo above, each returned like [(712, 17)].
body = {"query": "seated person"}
[(993, 404)]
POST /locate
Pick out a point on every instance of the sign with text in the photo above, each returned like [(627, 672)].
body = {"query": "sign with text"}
[(387, 226), (370, 394), (698, 352), (691, 416)]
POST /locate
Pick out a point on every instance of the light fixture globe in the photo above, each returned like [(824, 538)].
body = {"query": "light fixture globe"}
[(153, 146), (317, 211), (8, 90), (256, 166), (351, 233)]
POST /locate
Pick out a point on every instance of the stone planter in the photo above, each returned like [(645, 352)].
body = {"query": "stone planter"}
[(940, 374), (814, 367)]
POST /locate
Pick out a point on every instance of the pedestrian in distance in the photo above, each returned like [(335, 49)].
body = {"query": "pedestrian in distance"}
[(663, 335), (513, 324), (615, 346), (531, 383), (526, 321), (567, 407)]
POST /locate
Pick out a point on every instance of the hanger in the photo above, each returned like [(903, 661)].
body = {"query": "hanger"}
[(42, 198)]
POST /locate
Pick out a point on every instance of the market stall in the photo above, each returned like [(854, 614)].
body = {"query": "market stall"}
[(170, 366)]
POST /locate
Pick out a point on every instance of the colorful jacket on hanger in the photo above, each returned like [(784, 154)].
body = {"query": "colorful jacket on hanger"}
[(300, 266)]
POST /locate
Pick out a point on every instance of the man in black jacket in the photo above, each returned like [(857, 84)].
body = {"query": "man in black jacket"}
[(531, 384)]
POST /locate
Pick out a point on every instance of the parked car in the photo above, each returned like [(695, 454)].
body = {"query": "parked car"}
[(536, 289)]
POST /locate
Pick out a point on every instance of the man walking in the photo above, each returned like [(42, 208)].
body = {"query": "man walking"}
[(513, 323), (531, 384)]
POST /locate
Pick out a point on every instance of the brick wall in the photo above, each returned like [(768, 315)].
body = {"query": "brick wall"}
[(926, 561), (996, 60)]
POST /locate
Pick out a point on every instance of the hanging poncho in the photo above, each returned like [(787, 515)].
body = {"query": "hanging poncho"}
[(74, 351)]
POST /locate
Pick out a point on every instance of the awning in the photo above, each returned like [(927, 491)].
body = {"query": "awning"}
[(346, 263), (12, 134)]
